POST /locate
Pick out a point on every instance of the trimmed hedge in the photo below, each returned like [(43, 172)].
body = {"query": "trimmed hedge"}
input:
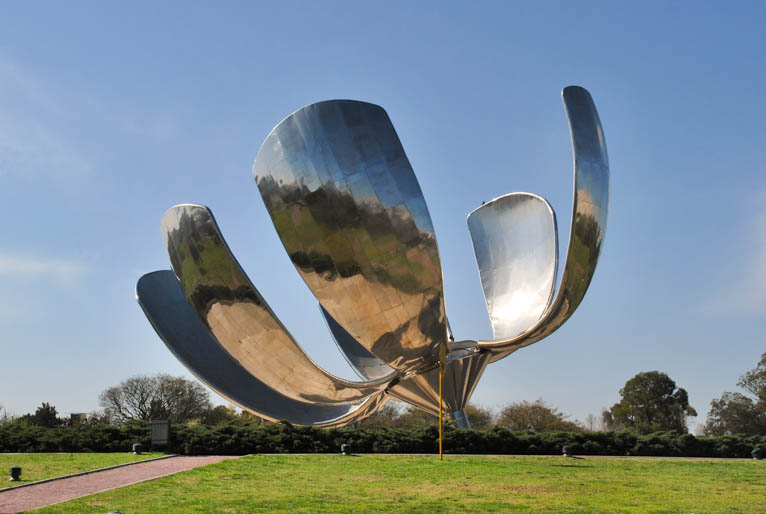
[(23, 437), (194, 439)]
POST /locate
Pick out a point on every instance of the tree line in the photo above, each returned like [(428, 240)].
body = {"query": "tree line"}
[(650, 402)]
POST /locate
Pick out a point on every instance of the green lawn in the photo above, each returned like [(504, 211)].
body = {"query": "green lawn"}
[(38, 466), (373, 483)]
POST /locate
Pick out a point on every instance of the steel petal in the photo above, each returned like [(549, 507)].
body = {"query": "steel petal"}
[(590, 208), (239, 317), (516, 247), (350, 213), (364, 364), (165, 305)]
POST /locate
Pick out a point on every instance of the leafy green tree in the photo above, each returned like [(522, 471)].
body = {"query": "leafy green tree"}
[(223, 415), (479, 417), (535, 417), (220, 415), (250, 419), (735, 413), (413, 417), (45, 416), (388, 416), (754, 381), (650, 403)]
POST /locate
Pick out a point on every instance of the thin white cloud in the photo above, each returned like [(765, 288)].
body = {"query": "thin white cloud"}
[(45, 127), (746, 291), (34, 267), (33, 127)]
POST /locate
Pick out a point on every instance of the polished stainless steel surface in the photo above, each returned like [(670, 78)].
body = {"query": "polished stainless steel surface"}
[(239, 317), (171, 315), (351, 215), (590, 208), (515, 242), (365, 364), (461, 420), (460, 379)]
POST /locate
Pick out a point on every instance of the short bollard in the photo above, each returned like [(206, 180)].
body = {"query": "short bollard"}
[(345, 449), (756, 453), (15, 474), (137, 449)]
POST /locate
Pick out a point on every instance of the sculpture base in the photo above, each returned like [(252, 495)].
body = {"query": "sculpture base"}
[(461, 420)]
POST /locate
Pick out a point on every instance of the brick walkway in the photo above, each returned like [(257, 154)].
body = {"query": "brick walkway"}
[(48, 493)]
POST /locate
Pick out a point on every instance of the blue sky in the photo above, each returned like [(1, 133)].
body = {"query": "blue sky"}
[(111, 113)]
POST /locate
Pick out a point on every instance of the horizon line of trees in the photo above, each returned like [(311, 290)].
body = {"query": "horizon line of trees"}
[(650, 402)]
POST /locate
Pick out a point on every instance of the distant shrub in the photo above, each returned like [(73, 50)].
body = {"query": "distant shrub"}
[(242, 439)]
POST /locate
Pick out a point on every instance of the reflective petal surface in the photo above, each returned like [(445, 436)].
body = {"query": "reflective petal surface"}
[(515, 243), (348, 208), (238, 316), (165, 305), (364, 364), (590, 208), (460, 380)]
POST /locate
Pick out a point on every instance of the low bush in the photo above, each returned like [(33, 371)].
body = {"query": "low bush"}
[(239, 439)]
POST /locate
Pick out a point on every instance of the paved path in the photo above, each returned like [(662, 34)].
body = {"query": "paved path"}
[(55, 491)]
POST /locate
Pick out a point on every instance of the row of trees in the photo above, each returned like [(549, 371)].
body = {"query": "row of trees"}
[(737, 413), (650, 402), (142, 398), (44, 416), (181, 400), (522, 416)]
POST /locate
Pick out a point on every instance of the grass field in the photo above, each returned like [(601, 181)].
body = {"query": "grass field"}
[(38, 466), (370, 483)]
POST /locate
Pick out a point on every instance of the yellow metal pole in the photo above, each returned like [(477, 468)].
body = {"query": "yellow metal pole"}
[(441, 375), (442, 366)]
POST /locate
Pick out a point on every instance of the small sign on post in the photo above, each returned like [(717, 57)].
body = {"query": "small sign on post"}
[(160, 432)]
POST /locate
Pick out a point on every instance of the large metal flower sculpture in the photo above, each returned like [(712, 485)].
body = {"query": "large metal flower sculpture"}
[(350, 213)]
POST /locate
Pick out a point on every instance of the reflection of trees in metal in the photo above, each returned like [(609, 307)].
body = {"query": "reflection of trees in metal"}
[(350, 213)]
